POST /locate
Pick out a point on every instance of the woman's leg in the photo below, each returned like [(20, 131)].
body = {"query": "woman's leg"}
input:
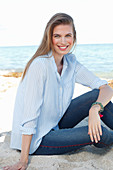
[(108, 115), (78, 109), (63, 140), (66, 140)]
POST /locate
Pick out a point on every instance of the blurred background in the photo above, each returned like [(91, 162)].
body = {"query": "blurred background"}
[(22, 23)]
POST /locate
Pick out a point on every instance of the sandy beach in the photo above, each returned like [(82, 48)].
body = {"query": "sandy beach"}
[(88, 158)]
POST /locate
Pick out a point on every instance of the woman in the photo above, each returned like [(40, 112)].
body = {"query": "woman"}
[(45, 113)]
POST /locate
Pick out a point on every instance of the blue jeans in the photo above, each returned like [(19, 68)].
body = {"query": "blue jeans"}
[(69, 138)]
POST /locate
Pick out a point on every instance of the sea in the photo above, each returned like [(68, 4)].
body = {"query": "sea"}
[(98, 58)]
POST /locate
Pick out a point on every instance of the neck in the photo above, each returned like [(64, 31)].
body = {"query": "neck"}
[(59, 63), (58, 60)]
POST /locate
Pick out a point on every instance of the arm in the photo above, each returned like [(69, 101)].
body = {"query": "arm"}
[(33, 98), (23, 162), (87, 78), (26, 141), (104, 97)]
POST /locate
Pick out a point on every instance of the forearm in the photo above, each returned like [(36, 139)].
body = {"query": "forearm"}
[(26, 141), (94, 123), (105, 95)]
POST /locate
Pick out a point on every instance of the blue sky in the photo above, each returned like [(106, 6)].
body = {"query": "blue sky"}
[(22, 22)]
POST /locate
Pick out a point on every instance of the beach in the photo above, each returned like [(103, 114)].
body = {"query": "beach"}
[(86, 158)]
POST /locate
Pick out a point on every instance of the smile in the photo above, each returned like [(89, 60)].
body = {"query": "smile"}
[(63, 47)]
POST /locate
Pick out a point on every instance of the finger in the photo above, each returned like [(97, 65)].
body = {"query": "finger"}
[(17, 167), (23, 168), (6, 167), (91, 135), (100, 130), (95, 135), (14, 167), (11, 168)]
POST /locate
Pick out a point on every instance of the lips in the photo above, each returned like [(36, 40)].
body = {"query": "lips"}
[(63, 47)]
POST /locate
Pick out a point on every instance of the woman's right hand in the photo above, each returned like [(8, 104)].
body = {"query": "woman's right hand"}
[(18, 166), (23, 162)]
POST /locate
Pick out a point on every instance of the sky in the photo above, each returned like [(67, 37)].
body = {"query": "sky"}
[(22, 22)]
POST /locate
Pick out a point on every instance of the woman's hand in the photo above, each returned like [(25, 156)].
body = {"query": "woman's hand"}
[(18, 166), (95, 130), (22, 164)]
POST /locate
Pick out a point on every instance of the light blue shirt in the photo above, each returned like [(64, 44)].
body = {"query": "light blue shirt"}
[(43, 97)]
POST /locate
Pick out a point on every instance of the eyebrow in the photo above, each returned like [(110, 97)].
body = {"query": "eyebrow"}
[(60, 34)]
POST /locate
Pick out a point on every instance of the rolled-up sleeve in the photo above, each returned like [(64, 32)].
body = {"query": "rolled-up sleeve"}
[(33, 97), (87, 78)]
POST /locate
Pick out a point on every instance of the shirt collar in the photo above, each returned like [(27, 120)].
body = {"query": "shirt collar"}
[(64, 58)]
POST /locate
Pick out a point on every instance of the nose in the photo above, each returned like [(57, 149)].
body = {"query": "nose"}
[(63, 40)]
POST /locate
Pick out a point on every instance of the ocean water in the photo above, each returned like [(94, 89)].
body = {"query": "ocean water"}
[(98, 58)]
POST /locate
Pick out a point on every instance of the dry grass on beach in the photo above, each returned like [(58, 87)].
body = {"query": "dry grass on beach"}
[(19, 74), (13, 74), (111, 83)]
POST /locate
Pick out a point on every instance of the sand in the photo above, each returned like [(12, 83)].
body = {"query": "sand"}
[(87, 158)]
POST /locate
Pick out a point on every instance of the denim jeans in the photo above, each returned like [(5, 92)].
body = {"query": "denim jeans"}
[(69, 137)]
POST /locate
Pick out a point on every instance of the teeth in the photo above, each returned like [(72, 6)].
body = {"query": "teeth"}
[(63, 47)]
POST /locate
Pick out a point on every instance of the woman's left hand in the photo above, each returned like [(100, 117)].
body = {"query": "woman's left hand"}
[(94, 124)]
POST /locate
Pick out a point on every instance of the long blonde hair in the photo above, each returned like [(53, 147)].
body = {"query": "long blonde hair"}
[(46, 44)]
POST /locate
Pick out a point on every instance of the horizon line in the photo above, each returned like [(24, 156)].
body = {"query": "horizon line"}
[(38, 45)]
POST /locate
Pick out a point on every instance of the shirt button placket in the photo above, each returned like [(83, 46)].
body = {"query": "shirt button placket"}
[(60, 101)]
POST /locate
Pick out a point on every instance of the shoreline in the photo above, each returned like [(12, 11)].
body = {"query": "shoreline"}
[(19, 74)]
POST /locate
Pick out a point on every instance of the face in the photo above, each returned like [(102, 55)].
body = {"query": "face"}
[(62, 40)]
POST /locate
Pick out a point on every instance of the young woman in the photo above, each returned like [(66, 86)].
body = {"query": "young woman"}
[(45, 115)]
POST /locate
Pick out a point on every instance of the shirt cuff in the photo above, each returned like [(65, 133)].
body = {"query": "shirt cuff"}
[(27, 131), (97, 83)]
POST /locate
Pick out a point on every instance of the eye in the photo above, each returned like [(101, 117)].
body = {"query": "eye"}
[(56, 35), (68, 35)]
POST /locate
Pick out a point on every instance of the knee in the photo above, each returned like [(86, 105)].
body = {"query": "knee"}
[(94, 95), (104, 139), (95, 92)]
